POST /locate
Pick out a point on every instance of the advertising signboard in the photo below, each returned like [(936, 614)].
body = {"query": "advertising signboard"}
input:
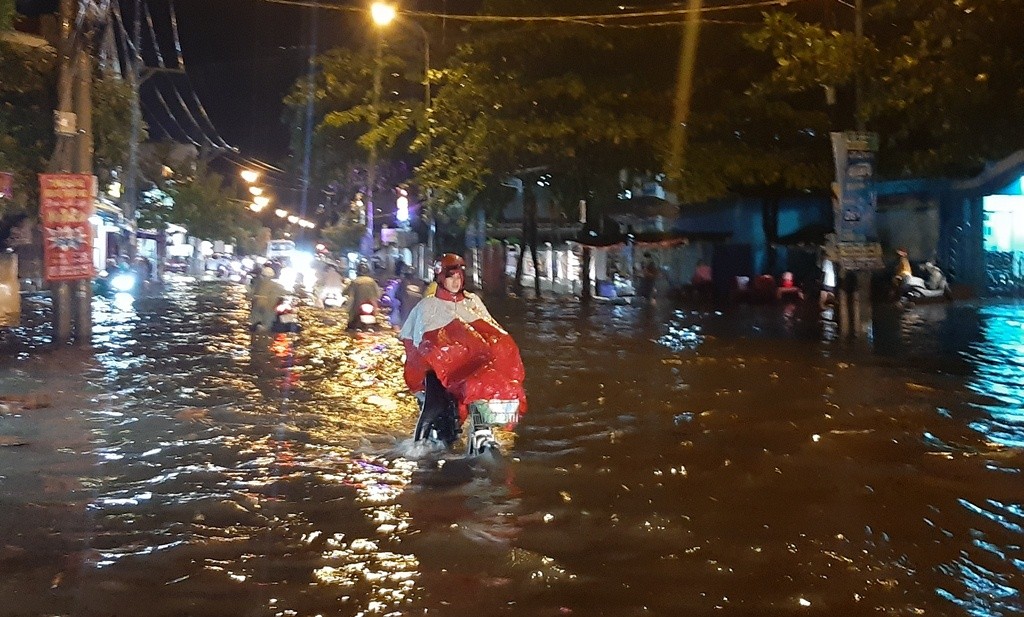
[(65, 205), (6, 185), (856, 200)]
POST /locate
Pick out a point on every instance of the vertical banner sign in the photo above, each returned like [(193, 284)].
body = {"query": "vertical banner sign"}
[(856, 200), (6, 185), (65, 205)]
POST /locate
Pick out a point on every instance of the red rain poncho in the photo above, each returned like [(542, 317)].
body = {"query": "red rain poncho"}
[(474, 358)]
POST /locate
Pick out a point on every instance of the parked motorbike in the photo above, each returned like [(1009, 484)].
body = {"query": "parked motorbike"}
[(916, 289)]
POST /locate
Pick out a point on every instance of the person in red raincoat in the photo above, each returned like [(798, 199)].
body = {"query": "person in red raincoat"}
[(454, 348)]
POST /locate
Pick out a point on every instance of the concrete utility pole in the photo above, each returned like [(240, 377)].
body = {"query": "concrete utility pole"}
[(62, 158), (858, 83), (131, 181), (684, 91), (84, 165), (72, 301), (371, 171)]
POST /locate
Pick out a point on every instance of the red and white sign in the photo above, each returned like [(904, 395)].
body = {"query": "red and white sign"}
[(6, 185), (65, 205)]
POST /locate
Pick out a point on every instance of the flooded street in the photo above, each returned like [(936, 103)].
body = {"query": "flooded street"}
[(673, 462)]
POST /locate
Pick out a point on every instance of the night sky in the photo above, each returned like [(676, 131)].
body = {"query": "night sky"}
[(243, 56)]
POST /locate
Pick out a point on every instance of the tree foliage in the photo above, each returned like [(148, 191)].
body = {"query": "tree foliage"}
[(944, 81), (111, 99), (343, 131), (27, 100), (555, 105), (204, 205), (343, 237), (6, 14)]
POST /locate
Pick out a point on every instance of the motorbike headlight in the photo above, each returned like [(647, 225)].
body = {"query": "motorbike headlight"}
[(123, 282)]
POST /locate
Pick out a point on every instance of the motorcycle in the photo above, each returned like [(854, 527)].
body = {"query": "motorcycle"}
[(331, 299), (365, 318), (118, 281), (484, 416), (285, 317), (916, 289)]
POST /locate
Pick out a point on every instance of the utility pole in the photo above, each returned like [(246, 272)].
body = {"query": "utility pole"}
[(131, 181), (72, 301), (371, 171), (307, 137), (60, 290), (684, 91), (858, 83), (84, 165)]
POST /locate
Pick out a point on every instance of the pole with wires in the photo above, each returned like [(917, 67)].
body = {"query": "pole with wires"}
[(308, 126), (131, 181), (371, 164)]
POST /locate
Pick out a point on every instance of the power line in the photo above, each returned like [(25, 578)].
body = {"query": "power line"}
[(584, 19)]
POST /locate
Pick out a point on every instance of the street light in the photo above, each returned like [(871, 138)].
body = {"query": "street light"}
[(255, 190), (261, 200), (250, 176), (383, 14)]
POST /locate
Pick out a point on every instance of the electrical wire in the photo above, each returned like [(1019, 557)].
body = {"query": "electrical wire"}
[(215, 141), (590, 20), (180, 64), (126, 49)]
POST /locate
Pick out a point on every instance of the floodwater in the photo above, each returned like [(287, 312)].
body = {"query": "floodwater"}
[(673, 462)]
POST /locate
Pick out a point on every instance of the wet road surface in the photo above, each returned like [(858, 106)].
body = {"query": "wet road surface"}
[(674, 462)]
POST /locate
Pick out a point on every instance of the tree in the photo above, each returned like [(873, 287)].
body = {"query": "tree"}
[(204, 206), (343, 237), (945, 80), (342, 135), (556, 101), (111, 98), (27, 100), (6, 14)]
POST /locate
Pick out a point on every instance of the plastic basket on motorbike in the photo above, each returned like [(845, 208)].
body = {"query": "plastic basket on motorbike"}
[(495, 412)]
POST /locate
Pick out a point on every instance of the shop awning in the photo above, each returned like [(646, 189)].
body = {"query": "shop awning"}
[(653, 239)]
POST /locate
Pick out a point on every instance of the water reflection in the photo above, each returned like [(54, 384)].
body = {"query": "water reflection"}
[(674, 461)]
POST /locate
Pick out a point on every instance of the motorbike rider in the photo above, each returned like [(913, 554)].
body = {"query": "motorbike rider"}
[(455, 351), (362, 290), (264, 293), (410, 292)]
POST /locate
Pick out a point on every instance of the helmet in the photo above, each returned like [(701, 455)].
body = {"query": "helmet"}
[(363, 269), (448, 262)]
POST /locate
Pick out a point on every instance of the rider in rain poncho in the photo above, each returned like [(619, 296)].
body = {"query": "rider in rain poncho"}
[(454, 346)]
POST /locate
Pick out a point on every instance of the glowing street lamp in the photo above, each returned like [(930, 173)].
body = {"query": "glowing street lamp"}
[(281, 213), (255, 190), (261, 200), (382, 13), (293, 219), (250, 176)]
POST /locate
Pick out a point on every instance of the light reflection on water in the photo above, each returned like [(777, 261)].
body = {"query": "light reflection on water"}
[(673, 462)]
